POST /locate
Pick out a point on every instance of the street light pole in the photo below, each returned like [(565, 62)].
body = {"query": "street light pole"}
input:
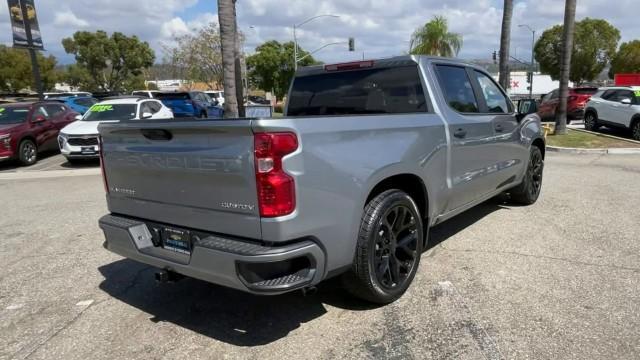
[(295, 39), (533, 45)]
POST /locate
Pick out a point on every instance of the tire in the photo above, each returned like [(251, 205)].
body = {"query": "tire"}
[(528, 191), (27, 152), (635, 129), (591, 121), (203, 115), (383, 269)]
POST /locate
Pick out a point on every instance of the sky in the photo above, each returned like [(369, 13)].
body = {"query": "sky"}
[(381, 28)]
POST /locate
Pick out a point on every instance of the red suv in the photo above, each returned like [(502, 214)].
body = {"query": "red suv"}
[(29, 128), (578, 98)]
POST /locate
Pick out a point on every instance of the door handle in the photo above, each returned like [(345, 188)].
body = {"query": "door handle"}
[(460, 133), (499, 128)]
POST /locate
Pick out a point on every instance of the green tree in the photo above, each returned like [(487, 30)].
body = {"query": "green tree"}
[(16, 74), (109, 62), (271, 68), (595, 43), (435, 39), (627, 59), (198, 56)]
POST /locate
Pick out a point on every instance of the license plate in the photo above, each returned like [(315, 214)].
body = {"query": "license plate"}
[(90, 150), (176, 240)]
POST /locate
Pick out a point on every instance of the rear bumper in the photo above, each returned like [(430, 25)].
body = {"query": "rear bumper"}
[(576, 113), (240, 264)]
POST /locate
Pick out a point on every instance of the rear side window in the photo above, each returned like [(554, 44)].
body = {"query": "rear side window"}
[(396, 90), (456, 86)]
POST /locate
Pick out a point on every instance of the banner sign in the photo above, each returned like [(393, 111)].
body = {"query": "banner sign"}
[(18, 20)]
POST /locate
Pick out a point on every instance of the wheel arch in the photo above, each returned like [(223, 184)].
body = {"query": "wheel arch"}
[(28, 137), (411, 184), (591, 110), (540, 144), (635, 118)]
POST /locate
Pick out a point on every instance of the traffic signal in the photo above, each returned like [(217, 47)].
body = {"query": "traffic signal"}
[(529, 77), (352, 44), (495, 57)]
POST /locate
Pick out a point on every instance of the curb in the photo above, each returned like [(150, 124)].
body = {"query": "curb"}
[(37, 174), (620, 151), (608, 136)]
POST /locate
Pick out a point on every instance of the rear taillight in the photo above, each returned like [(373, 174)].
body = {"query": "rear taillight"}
[(276, 188), (104, 174)]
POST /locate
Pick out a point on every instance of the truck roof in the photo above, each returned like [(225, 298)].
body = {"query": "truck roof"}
[(396, 61)]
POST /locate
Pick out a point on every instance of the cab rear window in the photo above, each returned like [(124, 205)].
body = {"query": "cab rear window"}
[(396, 90)]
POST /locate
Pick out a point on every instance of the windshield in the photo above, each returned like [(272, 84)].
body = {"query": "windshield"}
[(13, 115), (101, 112)]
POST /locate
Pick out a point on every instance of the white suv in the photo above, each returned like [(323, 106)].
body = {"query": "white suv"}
[(614, 106), (79, 140)]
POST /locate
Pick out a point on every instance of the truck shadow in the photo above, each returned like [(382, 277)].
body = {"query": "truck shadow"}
[(236, 317)]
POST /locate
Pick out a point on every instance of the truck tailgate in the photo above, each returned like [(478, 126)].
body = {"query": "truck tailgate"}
[(198, 174)]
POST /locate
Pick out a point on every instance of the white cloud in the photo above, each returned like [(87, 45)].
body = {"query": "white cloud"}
[(68, 18), (381, 28), (174, 27)]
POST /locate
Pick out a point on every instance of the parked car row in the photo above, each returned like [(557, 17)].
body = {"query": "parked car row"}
[(576, 103), (69, 123), (79, 140), (618, 107)]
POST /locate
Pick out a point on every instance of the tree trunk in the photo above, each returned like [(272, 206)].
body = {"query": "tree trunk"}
[(227, 20), (565, 65), (237, 53), (505, 42)]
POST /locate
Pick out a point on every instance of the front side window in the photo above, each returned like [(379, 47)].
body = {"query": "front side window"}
[(55, 110), (395, 90), (623, 94), (456, 86), (493, 96), (40, 110)]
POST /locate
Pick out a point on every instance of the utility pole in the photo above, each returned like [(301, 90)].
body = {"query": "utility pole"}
[(295, 38), (32, 51), (533, 61)]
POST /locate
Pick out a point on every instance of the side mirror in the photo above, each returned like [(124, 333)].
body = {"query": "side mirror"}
[(626, 101), (39, 119), (147, 115), (78, 117), (527, 106)]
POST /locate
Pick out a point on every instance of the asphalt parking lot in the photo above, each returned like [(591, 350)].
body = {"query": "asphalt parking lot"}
[(557, 280)]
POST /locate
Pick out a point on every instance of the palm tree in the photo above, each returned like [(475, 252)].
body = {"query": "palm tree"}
[(435, 39), (565, 65), (505, 42), (228, 38)]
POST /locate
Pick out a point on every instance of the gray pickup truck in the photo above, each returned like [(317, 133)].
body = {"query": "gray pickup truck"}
[(368, 157)]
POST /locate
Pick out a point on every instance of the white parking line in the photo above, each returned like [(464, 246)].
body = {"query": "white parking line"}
[(48, 174)]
